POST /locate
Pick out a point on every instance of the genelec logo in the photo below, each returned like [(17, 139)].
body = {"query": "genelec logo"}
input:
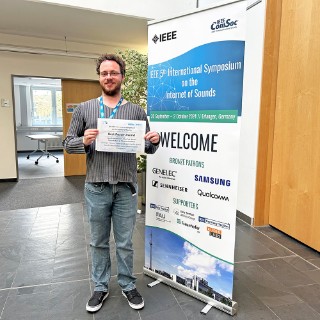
[(212, 195), (223, 24), (167, 36), (159, 207), (156, 184), (164, 173)]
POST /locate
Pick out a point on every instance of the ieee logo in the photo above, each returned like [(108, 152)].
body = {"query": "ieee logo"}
[(166, 36), (155, 183), (155, 38)]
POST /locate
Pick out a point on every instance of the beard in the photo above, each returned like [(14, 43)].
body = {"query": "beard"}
[(112, 92)]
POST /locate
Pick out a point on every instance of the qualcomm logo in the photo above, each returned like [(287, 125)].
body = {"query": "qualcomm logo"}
[(222, 24), (212, 195)]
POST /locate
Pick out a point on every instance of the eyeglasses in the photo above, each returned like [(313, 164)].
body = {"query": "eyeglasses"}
[(111, 74)]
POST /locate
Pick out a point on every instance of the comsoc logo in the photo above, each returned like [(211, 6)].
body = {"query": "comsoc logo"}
[(167, 36), (223, 24)]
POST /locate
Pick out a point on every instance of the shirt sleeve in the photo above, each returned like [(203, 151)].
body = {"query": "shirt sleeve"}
[(73, 143)]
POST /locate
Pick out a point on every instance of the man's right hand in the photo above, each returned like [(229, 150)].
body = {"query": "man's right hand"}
[(89, 136)]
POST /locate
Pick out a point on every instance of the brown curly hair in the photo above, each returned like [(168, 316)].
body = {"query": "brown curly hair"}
[(112, 57)]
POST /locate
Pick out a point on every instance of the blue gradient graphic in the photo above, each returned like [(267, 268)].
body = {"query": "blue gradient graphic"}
[(226, 86)]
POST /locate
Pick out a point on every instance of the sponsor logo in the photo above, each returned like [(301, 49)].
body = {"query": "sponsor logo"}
[(160, 216), (156, 184), (216, 223), (164, 173), (166, 36), (216, 233), (212, 195), (212, 180), (184, 214), (187, 162), (223, 24), (185, 203), (161, 212), (159, 207), (188, 225)]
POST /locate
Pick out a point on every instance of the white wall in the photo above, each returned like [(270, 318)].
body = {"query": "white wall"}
[(151, 9)]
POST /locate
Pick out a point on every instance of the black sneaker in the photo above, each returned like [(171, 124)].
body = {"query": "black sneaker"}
[(134, 299), (96, 301)]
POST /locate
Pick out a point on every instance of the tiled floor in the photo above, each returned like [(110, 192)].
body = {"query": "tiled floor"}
[(45, 262)]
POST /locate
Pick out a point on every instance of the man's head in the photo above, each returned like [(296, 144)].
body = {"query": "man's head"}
[(111, 57), (111, 71)]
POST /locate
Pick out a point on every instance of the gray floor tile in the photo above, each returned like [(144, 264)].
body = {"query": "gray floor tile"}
[(310, 295), (26, 307), (299, 311), (263, 285), (300, 264), (34, 273), (68, 301), (284, 273)]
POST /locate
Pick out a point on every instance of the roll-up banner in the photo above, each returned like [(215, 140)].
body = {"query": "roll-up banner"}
[(195, 81)]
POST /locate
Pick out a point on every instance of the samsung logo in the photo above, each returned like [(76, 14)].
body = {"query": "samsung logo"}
[(212, 180)]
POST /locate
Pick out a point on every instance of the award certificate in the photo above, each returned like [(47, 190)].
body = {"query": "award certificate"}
[(121, 135)]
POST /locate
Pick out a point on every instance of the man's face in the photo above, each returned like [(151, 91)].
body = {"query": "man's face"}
[(110, 77)]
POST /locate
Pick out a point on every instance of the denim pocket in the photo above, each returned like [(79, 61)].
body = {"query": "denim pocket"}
[(95, 187)]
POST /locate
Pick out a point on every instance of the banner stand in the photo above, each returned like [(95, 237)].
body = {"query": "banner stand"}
[(232, 310)]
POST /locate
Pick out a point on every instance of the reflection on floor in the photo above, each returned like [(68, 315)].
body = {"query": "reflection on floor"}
[(46, 167), (45, 265)]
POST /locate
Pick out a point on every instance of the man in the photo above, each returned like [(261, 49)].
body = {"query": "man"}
[(111, 181)]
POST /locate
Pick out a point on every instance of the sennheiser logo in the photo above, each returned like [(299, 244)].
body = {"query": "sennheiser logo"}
[(156, 184), (166, 36)]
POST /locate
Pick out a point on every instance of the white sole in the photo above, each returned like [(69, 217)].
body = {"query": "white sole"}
[(98, 307), (134, 306)]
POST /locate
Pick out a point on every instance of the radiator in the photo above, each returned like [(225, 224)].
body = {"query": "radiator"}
[(55, 144)]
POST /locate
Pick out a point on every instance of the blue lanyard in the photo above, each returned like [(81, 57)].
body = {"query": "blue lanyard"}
[(114, 111)]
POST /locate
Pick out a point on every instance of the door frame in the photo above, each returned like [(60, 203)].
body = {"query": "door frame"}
[(267, 112)]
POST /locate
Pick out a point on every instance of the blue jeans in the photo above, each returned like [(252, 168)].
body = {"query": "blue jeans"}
[(105, 203)]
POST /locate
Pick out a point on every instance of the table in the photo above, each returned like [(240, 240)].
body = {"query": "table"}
[(42, 138)]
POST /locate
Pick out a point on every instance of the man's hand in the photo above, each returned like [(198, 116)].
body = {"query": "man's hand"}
[(152, 136), (89, 136)]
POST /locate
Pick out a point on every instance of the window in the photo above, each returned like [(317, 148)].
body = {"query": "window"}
[(38, 102), (46, 106)]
